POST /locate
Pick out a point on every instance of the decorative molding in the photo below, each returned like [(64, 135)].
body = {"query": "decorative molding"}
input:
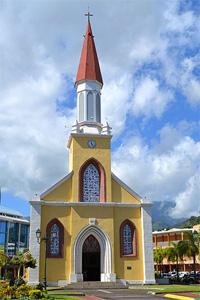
[(92, 221), (56, 185), (101, 204)]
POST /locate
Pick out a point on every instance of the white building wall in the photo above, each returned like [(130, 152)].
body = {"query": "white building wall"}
[(34, 246), (149, 277)]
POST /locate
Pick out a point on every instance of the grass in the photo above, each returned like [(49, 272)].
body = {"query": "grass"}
[(57, 297), (63, 295), (173, 288), (61, 292)]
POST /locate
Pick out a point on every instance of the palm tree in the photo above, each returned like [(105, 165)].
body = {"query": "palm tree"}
[(175, 253), (4, 260), (159, 254), (23, 260), (190, 247)]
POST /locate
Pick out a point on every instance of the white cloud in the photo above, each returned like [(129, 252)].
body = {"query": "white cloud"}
[(150, 99), (189, 82), (187, 201), (39, 52), (32, 133), (161, 172), (115, 102)]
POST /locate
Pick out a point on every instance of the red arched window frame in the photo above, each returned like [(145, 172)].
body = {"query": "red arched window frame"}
[(61, 238), (102, 176), (134, 243)]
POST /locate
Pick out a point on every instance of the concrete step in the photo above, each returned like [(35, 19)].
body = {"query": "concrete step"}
[(96, 285)]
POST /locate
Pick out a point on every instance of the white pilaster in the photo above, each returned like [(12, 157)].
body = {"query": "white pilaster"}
[(33, 244), (148, 264)]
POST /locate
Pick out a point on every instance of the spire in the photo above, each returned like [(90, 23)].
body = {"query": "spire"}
[(89, 64)]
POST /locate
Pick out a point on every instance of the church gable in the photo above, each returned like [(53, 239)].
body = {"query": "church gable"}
[(61, 191), (122, 193)]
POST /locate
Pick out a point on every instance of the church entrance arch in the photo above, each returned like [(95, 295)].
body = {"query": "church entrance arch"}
[(102, 255), (91, 267)]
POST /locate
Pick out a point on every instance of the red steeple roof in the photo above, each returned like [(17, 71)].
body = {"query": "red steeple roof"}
[(89, 64)]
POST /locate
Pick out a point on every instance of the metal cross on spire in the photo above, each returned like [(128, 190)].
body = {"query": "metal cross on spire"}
[(88, 14)]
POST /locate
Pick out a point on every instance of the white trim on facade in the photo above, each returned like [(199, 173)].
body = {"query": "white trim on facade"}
[(34, 246), (85, 204), (106, 254), (147, 243)]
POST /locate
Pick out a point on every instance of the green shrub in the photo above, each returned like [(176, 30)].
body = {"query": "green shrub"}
[(36, 294), (23, 291), (7, 292)]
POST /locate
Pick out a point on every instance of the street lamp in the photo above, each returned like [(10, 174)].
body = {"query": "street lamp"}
[(40, 240)]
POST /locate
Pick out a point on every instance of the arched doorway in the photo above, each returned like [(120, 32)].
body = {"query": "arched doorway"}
[(91, 266), (105, 254)]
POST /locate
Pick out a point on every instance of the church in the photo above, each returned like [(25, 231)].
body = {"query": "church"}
[(95, 227)]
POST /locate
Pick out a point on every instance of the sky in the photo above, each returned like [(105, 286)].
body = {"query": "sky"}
[(149, 53)]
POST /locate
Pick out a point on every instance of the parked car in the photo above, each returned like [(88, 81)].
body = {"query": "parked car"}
[(191, 278)]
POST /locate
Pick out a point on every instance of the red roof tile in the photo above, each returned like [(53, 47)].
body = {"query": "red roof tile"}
[(89, 64)]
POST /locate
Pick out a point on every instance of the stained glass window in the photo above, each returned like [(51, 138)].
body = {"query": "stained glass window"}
[(127, 240), (91, 184), (54, 240)]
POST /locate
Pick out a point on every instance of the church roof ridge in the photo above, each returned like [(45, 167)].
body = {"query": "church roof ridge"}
[(57, 184), (131, 191), (89, 68)]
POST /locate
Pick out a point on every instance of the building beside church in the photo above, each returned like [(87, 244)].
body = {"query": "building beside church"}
[(98, 228), (164, 238), (14, 231)]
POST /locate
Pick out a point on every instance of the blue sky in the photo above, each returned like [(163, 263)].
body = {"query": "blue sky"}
[(149, 57)]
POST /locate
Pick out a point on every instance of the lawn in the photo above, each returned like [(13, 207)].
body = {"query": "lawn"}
[(173, 288), (57, 297), (64, 295)]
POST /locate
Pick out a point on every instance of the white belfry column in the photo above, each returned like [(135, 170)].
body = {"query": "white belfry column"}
[(34, 246), (148, 263)]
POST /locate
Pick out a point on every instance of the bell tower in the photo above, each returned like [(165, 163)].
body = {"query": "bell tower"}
[(88, 84)]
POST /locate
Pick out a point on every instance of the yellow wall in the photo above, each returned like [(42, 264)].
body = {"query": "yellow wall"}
[(75, 218), (63, 192), (119, 194), (80, 152), (121, 263), (109, 220), (57, 268)]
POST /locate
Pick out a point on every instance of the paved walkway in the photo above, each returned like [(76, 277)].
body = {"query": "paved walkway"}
[(119, 294)]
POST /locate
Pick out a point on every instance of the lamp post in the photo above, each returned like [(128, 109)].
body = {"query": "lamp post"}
[(40, 240)]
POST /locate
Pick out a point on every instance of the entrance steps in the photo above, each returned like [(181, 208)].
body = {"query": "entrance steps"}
[(96, 285)]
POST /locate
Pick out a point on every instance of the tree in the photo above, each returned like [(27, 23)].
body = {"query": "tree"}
[(4, 260), (159, 255), (23, 260), (190, 247), (174, 254)]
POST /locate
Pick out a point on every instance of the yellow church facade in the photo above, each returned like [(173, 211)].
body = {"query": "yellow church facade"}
[(97, 228)]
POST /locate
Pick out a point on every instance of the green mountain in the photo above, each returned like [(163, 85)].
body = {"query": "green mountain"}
[(161, 218), (189, 223)]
